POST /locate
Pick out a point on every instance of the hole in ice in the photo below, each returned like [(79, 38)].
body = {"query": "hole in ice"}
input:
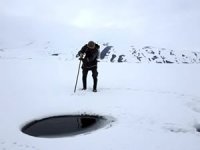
[(68, 125)]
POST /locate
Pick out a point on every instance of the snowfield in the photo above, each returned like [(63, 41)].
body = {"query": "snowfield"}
[(155, 106)]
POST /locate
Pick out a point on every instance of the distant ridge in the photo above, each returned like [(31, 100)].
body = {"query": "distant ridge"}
[(108, 53)]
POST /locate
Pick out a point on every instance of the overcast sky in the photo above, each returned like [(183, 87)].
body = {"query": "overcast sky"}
[(171, 24)]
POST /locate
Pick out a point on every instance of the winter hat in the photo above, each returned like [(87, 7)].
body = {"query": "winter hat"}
[(91, 44)]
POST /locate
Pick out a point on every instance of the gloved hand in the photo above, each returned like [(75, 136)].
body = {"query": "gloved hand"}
[(77, 55), (80, 55)]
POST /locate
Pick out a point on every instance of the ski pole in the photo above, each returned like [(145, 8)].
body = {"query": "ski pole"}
[(77, 76)]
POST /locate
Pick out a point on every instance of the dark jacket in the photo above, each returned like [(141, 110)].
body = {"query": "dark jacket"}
[(91, 55)]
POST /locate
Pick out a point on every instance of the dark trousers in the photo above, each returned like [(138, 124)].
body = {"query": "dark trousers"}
[(94, 75)]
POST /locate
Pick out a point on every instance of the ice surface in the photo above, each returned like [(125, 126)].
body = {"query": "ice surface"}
[(156, 106)]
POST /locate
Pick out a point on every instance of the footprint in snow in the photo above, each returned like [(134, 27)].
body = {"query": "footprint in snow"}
[(175, 128)]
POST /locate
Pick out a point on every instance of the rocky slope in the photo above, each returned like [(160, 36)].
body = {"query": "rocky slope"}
[(149, 54)]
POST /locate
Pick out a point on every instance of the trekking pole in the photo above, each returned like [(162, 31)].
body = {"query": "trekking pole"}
[(77, 76)]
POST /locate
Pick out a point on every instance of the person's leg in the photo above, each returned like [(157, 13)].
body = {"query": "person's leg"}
[(94, 75), (84, 78)]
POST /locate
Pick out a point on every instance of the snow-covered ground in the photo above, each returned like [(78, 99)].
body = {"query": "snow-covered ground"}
[(156, 106)]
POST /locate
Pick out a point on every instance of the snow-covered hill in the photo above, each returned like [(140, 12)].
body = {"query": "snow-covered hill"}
[(108, 53)]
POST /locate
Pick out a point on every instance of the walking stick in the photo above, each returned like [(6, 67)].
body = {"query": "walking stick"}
[(77, 76)]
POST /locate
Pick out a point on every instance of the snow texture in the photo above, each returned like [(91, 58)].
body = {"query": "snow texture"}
[(156, 107)]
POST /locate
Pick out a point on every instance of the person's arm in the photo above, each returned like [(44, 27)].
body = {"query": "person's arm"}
[(82, 51)]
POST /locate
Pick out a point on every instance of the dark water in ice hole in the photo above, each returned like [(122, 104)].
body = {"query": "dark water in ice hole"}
[(68, 125)]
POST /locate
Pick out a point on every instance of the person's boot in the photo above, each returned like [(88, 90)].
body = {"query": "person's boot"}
[(94, 90), (84, 83)]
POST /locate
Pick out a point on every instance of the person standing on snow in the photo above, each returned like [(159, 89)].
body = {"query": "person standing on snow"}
[(88, 55)]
